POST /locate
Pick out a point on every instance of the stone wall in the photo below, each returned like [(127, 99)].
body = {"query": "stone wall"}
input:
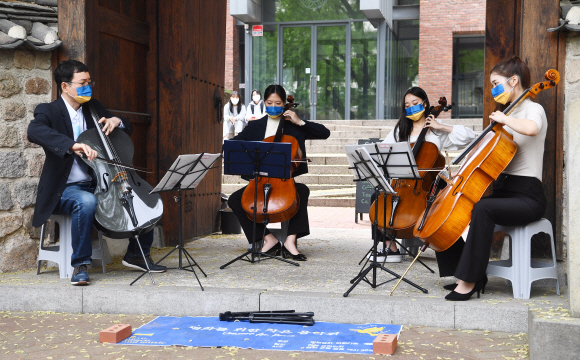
[(571, 226), (25, 81)]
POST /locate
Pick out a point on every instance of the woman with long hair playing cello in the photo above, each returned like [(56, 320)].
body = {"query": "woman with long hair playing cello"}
[(518, 196), (301, 130), (415, 116)]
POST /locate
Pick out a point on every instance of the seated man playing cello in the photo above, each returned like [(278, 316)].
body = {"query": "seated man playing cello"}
[(275, 100), (67, 184)]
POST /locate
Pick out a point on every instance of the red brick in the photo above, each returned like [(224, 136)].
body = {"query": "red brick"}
[(115, 333), (385, 344)]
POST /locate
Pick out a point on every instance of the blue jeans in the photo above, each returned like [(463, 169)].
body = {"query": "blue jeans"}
[(78, 201)]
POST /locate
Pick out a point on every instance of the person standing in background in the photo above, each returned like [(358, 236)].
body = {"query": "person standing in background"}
[(256, 108), (234, 117)]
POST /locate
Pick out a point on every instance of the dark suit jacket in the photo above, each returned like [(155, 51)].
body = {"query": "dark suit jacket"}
[(52, 129), (256, 130)]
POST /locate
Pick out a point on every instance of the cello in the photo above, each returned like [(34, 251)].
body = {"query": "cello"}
[(409, 201), (279, 201), (124, 206), (448, 213)]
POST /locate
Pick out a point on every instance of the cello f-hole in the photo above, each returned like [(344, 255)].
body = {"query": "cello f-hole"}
[(138, 183), (106, 182)]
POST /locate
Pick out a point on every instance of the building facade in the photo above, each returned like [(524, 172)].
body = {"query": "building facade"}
[(354, 59)]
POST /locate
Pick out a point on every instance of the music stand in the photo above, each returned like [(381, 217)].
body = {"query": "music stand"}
[(365, 169), (185, 173), (396, 160), (255, 159)]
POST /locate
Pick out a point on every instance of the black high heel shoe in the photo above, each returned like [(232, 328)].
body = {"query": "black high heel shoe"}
[(288, 254), (274, 250), (479, 286), (450, 286)]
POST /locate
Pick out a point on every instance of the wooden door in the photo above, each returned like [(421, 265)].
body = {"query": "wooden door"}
[(116, 39), (517, 27)]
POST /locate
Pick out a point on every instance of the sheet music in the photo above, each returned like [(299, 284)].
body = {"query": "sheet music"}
[(180, 166), (399, 157), (365, 168)]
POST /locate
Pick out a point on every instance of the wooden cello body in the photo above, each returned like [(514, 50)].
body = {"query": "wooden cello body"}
[(411, 195), (449, 213), (282, 200), (277, 199)]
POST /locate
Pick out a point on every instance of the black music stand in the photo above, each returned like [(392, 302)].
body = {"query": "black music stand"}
[(185, 173), (396, 162), (257, 158), (365, 169)]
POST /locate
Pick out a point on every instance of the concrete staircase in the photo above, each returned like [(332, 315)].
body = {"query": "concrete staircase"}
[(329, 179)]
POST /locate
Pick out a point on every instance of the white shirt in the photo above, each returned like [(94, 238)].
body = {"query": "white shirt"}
[(257, 108), (272, 126), (79, 125), (529, 157), (460, 137)]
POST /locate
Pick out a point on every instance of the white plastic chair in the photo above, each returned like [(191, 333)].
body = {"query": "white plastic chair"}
[(61, 254), (520, 269)]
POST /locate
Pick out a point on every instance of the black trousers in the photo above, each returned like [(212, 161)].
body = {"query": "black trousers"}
[(298, 225), (515, 201)]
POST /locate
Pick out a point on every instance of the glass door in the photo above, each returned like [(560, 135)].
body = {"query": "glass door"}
[(313, 69), (296, 65), (330, 73)]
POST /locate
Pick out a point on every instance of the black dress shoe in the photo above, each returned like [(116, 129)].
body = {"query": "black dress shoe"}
[(479, 286), (274, 250), (298, 257), (450, 286)]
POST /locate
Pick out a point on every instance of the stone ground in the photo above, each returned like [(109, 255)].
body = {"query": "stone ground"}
[(46, 335), (335, 246)]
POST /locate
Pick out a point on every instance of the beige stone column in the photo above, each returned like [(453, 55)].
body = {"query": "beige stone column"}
[(572, 170)]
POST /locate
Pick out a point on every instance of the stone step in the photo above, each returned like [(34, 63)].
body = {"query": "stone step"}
[(329, 169), (332, 202), (307, 179), (358, 134), (338, 192), (337, 141), (327, 159), (393, 122)]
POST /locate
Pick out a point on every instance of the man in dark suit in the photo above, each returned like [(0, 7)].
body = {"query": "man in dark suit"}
[(289, 124), (66, 185)]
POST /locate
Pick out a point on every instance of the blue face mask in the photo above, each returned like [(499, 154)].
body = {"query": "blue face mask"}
[(84, 94), (274, 111), (415, 112)]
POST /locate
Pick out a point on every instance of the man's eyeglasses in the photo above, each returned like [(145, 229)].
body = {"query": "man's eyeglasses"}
[(90, 83)]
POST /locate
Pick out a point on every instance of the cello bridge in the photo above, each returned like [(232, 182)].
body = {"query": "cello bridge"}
[(121, 176)]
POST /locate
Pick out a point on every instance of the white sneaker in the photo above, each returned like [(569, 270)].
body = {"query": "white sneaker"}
[(394, 256), (380, 256)]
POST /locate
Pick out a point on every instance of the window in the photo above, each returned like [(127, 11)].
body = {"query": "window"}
[(468, 76)]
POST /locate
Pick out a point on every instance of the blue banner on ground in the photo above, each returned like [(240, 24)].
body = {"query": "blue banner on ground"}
[(210, 331)]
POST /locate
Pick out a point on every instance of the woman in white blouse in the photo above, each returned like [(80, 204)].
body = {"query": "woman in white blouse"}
[(234, 116), (412, 121), (256, 107)]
